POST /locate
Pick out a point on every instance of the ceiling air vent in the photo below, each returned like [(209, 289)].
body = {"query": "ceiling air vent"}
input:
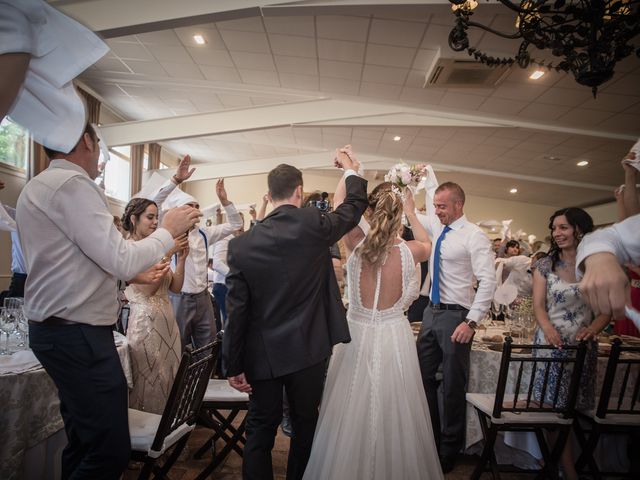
[(448, 72)]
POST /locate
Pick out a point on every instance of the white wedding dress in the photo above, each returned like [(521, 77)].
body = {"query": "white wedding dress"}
[(374, 419)]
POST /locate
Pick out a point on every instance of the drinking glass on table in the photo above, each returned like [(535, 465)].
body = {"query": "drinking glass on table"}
[(22, 328), (7, 326)]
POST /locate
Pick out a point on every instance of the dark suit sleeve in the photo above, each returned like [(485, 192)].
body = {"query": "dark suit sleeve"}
[(233, 342), (346, 217)]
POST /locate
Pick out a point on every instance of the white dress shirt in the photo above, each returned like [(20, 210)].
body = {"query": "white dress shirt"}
[(8, 224), (622, 239), (220, 267), (61, 48), (195, 267), (73, 252), (518, 269), (465, 255)]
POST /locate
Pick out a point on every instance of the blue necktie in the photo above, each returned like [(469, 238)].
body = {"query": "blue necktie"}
[(435, 290)]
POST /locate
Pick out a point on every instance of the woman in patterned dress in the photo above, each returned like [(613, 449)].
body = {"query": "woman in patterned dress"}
[(154, 338), (563, 316)]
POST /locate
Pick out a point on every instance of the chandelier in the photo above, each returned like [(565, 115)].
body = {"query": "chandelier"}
[(588, 37)]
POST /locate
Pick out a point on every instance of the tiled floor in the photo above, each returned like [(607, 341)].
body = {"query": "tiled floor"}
[(189, 468)]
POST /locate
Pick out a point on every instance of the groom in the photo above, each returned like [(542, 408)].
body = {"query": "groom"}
[(285, 314)]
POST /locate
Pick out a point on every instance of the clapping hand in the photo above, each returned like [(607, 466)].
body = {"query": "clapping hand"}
[(183, 173), (552, 336), (222, 192), (586, 333)]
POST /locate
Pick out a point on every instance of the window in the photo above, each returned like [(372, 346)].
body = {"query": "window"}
[(117, 174), (14, 144)]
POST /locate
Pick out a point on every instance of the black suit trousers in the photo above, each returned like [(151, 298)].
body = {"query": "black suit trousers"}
[(83, 362), (304, 390)]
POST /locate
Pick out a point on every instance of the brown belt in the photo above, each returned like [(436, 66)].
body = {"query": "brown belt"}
[(54, 322)]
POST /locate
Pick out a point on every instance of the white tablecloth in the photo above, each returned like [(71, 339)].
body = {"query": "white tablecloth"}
[(30, 413)]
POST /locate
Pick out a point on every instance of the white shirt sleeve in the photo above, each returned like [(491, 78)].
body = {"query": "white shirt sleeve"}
[(7, 218), (96, 235), (218, 232), (220, 257), (622, 239), (161, 194), (482, 264)]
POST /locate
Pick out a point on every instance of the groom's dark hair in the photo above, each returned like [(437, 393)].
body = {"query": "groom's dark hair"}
[(283, 180)]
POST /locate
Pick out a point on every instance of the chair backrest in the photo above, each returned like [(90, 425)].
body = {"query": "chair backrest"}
[(538, 360), (187, 391), (623, 365)]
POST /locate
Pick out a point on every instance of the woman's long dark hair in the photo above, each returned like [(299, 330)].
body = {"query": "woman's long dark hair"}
[(581, 222), (135, 207)]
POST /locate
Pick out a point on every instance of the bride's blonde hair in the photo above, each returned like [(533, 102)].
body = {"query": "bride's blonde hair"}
[(385, 220)]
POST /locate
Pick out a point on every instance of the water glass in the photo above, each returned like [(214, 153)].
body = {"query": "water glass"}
[(7, 326), (22, 329)]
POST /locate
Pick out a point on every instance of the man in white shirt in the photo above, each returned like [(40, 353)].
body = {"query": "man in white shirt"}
[(193, 307), (74, 256), (461, 253), (605, 285)]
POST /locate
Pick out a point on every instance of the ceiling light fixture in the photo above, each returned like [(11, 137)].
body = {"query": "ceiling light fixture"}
[(397, 138), (588, 37), (513, 190), (536, 75), (582, 163), (199, 39)]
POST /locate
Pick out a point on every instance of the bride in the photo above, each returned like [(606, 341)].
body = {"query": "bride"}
[(374, 419)]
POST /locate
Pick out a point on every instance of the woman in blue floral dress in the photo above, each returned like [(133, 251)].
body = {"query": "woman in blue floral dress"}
[(563, 316)]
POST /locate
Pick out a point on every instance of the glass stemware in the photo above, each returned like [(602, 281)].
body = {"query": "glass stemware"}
[(7, 326)]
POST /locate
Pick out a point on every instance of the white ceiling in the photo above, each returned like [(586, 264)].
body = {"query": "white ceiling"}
[(378, 56)]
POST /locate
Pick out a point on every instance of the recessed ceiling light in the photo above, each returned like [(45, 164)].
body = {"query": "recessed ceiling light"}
[(397, 138), (536, 75), (551, 157), (582, 163), (199, 39), (513, 190)]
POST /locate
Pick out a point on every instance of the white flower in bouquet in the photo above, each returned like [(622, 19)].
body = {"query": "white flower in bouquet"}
[(403, 176)]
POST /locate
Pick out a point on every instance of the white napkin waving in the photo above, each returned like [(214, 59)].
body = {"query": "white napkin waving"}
[(634, 163)]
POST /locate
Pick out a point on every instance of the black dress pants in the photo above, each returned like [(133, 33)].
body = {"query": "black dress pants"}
[(434, 348), (304, 390), (83, 362)]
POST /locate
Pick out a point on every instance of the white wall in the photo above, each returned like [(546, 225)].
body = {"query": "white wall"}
[(603, 214), (531, 218)]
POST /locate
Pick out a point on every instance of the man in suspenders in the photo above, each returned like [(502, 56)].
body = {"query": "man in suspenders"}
[(193, 307)]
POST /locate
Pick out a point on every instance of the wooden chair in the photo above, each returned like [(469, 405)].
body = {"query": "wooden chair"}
[(616, 412), (519, 412), (151, 434)]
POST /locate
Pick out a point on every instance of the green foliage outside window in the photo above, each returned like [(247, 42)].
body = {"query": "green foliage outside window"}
[(14, 144)]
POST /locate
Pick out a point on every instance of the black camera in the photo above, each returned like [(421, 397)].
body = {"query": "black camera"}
[(323, 204)]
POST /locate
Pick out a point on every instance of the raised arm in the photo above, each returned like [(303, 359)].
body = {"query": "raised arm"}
[(421, 244), (234, 219), (344, 156)]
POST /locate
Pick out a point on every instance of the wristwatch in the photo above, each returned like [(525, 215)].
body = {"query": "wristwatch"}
[(472, 324)]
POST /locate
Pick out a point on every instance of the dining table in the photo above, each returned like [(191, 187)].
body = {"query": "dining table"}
[(31, 428)]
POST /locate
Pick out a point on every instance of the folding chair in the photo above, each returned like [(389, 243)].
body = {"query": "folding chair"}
[(617, 412), (518, 412), (151, 434), (221, 397)]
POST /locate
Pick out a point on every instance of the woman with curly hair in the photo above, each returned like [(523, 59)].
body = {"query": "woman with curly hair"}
[(374, 419), (154, 338), (564, 317)]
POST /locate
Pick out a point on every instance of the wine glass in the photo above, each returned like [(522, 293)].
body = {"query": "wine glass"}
[(8, 326), (22, 328)]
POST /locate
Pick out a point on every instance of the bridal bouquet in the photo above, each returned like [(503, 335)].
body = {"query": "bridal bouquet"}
[(403, 175)]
